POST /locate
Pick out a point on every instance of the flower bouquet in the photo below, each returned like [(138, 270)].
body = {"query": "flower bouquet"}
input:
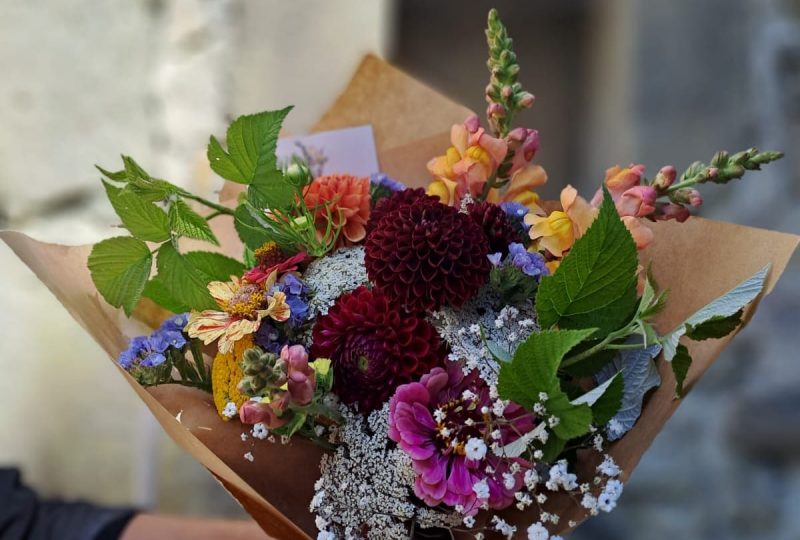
[(434, 350)]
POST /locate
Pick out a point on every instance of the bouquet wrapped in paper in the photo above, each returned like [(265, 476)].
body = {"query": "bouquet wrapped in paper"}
[(430, 350)]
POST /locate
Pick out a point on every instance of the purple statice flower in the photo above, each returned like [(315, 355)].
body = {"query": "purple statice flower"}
[(148, 351), (381, 180), (296, 292), (269, 338), (143, 351), (495, 258), (516, 212), (441, 423), (531, 264)]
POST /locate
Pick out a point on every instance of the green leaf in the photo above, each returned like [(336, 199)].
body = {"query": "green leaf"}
[(142, 218), (605, 399), (595, 285), (251, 159), (187, 222), (215, 266), (535, 365), (120, 267), (552, 449), (680, 367), (574, 420), (185, 283), (714, 328), (156, 291), (591, 365), (250, 231), (723, 307)]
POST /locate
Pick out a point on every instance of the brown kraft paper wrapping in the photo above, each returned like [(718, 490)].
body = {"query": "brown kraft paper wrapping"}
[(697, 261)]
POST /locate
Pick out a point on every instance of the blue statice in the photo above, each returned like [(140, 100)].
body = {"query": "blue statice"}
[(269, 338), (149, 351), (381, 180), (531, 264), (297, 296)]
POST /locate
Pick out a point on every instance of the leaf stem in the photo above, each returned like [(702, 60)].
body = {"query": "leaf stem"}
[(606, 343), (214, 206)]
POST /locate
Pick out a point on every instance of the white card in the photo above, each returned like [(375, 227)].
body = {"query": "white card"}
[(350, 150)]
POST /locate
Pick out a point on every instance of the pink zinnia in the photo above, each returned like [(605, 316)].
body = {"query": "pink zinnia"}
[(429, 421)]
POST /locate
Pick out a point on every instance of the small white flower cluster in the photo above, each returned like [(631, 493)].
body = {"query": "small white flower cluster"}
[(538, 531), (260, 431), (367, 485), (230, 410), (461, 328), (329, 277)]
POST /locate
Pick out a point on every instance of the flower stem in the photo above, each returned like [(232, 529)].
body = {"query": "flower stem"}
[(220, 209)]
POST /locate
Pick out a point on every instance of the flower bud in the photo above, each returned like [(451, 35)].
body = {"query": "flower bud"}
[(495, 110), (472, 123), (619, 180), (666, 177), (687, 196), (256, 412), (507, 92), (298, 174), (668, 211), (638, 201), (525, 100)]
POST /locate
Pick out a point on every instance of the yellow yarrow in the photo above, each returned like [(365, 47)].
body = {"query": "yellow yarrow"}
[(226, 373)]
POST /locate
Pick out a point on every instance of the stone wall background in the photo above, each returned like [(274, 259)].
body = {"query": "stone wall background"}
[(616, 81)]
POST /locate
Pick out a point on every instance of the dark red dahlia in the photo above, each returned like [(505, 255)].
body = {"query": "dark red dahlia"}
[(426, 256), (374, 347), (398, 199), (495, 224)]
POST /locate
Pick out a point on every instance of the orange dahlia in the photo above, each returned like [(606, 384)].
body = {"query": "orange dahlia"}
[(347, 197)]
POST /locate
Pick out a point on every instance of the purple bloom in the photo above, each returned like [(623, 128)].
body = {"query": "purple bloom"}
[(269, 338), (531, 264), (143, 351), (495, 258), (296, 292), (516, 212), (434, 419), (175, 323), (385, 181)]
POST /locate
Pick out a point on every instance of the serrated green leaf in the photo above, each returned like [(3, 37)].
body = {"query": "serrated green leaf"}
[(215, 266), (142, 218), (156, 291), (185, 283), (250, 231), (681, 363), (715, 327), (120, 267), (596, 281), (573, 420), (251, 159), (725, 306), (605, 399), (535, 365), (499, 352), (187, 222)]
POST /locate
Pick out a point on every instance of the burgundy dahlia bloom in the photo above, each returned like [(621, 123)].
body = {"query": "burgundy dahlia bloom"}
[(495, 224), (435, 421), (374, 347), (424, 256), (398, 199)]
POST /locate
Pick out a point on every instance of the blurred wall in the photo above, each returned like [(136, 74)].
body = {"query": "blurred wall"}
[(84, 81), (616, 81)]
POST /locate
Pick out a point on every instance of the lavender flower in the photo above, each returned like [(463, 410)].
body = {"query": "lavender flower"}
[(381, 180), (516, 213), (148, 351), (531, 264), (297, 293)]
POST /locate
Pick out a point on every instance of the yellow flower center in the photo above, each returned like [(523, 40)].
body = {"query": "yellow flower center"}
[(481, 156), (246, 301)]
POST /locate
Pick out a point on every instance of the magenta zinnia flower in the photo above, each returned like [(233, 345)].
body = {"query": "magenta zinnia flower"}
[(433, 420)]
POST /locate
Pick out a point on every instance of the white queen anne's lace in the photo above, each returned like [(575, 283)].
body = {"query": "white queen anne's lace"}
[(366, 486)]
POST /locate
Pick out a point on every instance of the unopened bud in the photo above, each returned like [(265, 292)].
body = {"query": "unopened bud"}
[(507, 92), (525, 101), (687, 196), (665, 178), (665, 212), (495, 110), (298, 174)]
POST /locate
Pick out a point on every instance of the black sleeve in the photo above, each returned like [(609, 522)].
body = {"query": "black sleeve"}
[(24, 517)]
